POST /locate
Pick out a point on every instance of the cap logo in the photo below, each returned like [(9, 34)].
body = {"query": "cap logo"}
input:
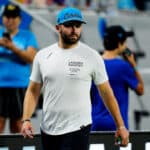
[(11, 7), (71, 15), (120, 35)]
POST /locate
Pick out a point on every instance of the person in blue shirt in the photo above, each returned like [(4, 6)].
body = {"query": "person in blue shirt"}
[(123, 75), (17, 50)]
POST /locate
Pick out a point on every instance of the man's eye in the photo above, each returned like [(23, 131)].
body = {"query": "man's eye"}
[(78, 25), (67, 25)]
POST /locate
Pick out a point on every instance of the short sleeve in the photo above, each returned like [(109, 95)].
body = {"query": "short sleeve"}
[(36, 73), (99, 74), (129, 76), (32, 41)]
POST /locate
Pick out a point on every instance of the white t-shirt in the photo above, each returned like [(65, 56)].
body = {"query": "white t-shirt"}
[(66, 77)]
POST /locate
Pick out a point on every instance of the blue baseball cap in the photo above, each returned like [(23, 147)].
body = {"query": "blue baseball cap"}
[(69, 14)]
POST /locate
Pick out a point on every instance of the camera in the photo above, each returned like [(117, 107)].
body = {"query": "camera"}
[(127, 52), (7, 35)]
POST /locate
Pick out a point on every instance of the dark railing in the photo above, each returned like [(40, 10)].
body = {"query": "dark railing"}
[(98, 141)]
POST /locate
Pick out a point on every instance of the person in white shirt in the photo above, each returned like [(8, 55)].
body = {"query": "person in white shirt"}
[(64, 71)]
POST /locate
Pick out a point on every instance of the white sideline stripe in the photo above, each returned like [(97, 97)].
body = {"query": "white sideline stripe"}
[(97, 147), (129, 147), (4, 148), (147, 146), (144, 70), (28, 148)]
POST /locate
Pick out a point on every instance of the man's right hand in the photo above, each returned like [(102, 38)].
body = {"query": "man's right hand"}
[(27, 130)]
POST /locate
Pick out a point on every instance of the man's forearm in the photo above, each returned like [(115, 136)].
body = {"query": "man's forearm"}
[(25, 55), (29, 105), (31, 99), (111, 103)]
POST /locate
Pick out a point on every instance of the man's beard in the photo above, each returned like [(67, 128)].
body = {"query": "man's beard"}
[(68, 40)]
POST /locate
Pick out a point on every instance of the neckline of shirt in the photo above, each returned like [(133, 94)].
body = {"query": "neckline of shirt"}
[(69, 49)]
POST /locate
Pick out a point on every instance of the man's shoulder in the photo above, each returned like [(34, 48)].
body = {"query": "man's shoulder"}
[(25, 32), (47, 50), (124, 63), (84, 45), (120, 63), (88, 49)]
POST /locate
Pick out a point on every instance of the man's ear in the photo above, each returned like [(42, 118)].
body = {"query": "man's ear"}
[(57, 27)]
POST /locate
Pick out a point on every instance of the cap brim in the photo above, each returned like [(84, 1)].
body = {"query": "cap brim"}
[(73, 19), (11, 14), (129, 34)]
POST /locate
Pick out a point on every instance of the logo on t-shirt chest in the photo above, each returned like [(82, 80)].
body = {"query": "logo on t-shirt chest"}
[(74, 67)]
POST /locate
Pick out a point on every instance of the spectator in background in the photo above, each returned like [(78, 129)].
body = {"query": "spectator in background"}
[(21, 1), (122, 73), (17, 50), (40, 3)]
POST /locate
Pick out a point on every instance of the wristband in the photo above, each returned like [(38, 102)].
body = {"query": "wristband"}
[(121, 127), (135, 68), (26, 120)]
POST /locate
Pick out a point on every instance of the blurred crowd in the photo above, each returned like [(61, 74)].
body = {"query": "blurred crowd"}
[(46, 3), (98, 5)]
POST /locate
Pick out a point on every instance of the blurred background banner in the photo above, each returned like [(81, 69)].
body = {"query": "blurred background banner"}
[(126, 4)]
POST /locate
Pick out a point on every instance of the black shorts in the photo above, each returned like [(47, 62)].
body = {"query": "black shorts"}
[(11, 102), (78, 140)]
